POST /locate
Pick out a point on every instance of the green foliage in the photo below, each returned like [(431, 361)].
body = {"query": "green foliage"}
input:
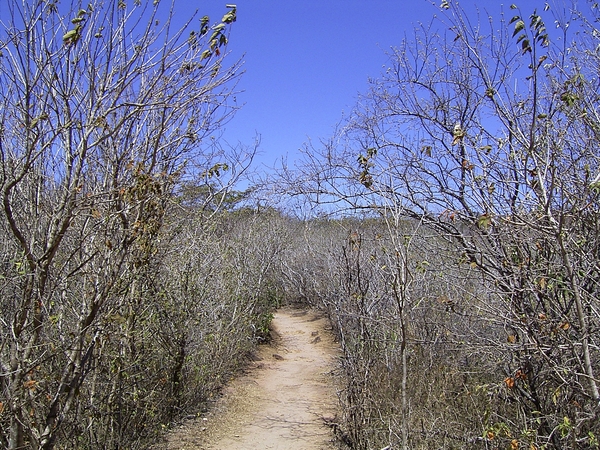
[(365, 164), (536, 26), (231, 16)]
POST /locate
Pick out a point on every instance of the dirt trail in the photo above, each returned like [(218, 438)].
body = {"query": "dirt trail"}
[(284, 401)]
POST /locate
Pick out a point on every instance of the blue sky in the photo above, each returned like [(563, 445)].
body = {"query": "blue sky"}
[(307, 60), (305, 63)]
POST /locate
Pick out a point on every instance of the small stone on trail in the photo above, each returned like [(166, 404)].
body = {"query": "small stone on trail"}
[(277, 357)]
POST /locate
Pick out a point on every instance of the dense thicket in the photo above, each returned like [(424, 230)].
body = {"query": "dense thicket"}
[(467, 305), (455, 245), (125, 297)]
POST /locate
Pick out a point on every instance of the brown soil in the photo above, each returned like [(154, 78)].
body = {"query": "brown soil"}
[(285, 401)]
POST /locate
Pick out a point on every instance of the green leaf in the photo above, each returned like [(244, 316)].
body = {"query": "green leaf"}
[(514, 19), (518, 27), (215, 171), (230, 17), (217, 31), (484, 221), (215, 71), (70, 35)]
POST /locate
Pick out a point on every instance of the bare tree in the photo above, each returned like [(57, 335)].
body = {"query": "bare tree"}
[(104, 111), (486, 134)]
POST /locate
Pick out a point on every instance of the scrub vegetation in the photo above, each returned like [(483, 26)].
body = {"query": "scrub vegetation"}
[(466, 285), (125, 299), (449, 229)]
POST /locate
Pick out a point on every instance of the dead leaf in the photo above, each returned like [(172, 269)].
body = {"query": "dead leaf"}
[(30, 384)]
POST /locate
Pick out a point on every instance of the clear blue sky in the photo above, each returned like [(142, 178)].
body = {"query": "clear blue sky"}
[(306, 61)]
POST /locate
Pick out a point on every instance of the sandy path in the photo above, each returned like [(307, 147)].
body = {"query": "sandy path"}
[(283, 402)]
